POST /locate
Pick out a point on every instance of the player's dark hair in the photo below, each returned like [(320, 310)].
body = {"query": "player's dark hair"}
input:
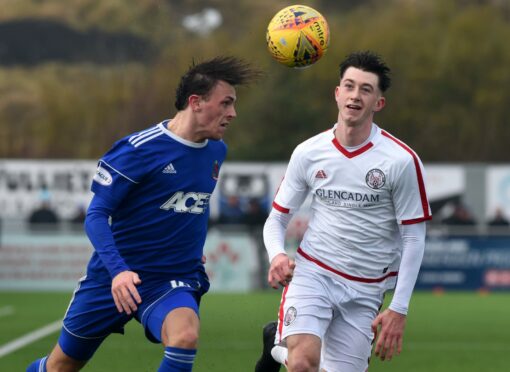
[(370, 62), (201, 78)]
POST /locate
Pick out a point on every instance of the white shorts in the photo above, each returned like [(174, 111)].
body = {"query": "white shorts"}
[(336, 310)]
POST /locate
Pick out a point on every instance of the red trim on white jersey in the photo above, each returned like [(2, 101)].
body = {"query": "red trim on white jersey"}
[(421, 183), (416, 220), (280, 208), (281, 314), (344, 275), (352, 154)]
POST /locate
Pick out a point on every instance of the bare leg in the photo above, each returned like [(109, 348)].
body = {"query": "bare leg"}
[(181, 328), (304, 353), (58, 361)]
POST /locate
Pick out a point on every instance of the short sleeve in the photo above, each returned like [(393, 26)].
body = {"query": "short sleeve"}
[(294, 187), (409, 194)]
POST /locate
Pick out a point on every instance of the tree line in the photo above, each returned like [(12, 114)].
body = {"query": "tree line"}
[(450, 68)]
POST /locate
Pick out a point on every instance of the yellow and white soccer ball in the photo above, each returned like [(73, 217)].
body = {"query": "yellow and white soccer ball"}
[(297, 36)]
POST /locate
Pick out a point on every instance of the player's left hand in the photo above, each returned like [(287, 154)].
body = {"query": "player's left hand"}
[(390, 334), (281, 271), (124, 292)]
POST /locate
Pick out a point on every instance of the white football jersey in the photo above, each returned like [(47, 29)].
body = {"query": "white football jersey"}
[(358, 200)]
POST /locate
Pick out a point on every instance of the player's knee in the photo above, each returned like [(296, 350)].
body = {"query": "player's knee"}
[(302, 365), (186, 339), (302, 362)]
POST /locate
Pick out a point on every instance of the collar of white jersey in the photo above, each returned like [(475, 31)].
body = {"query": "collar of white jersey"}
[(352, 151), (174, 136)]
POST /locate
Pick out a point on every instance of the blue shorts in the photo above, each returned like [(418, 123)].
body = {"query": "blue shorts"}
[(92, 315)]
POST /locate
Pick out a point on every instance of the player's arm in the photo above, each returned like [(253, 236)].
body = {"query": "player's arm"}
[(289, 197), (392, 321), (124, 281), (119, 171), (282, 267)]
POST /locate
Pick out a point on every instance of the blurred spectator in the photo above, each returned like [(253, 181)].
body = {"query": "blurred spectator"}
[(254, 218), (79, 218), (232, 212), (44, 216), (461, 216), (499, 219), (255, 215)]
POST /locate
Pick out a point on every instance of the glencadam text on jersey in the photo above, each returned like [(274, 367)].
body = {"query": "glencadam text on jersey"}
[(326, 195)]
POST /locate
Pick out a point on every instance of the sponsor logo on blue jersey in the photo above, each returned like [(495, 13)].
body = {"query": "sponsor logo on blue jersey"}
[(170, 169), (103, 177), (190, 202)]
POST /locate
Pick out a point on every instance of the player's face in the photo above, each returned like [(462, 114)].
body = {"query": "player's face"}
[(358, 97), (216, 111)]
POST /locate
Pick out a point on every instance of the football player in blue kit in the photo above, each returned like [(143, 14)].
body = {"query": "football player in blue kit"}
[(148, 222)]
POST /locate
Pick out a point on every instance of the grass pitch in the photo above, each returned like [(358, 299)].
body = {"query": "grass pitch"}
[(464, 332)]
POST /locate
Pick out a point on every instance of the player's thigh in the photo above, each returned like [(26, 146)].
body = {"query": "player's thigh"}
[(89, 319), (306, 306), (181, 304), (348, 341)]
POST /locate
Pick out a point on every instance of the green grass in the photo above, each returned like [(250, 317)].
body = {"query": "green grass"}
[(465, 332)]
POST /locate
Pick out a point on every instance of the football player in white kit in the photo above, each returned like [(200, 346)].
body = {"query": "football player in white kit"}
[(366, 235)]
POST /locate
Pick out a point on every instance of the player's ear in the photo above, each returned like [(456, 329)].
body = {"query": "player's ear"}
[(379, 105), (194, 102), (337, 92)]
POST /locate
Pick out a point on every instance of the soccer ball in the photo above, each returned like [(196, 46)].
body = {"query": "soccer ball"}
[(297, 36)]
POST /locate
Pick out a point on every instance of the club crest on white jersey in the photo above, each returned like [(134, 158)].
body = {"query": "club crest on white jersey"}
[(375, 179), (190, 202)]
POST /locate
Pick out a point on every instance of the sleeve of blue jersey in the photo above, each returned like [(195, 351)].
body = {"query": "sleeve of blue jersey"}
[(126, 168), (100, 235)]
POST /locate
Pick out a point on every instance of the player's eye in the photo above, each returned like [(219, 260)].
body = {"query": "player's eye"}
[(227, 102)]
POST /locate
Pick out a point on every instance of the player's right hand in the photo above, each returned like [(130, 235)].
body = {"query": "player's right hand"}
[(281, 271), (124, 292), (392, 326)]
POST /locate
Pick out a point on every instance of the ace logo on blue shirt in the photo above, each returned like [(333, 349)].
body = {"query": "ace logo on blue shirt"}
[(191, 202)]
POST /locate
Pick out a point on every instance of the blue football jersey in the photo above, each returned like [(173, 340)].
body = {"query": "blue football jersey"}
[(158, 186)]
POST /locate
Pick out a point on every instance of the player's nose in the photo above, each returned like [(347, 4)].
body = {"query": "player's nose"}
[(355, 95), (232, 113)]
